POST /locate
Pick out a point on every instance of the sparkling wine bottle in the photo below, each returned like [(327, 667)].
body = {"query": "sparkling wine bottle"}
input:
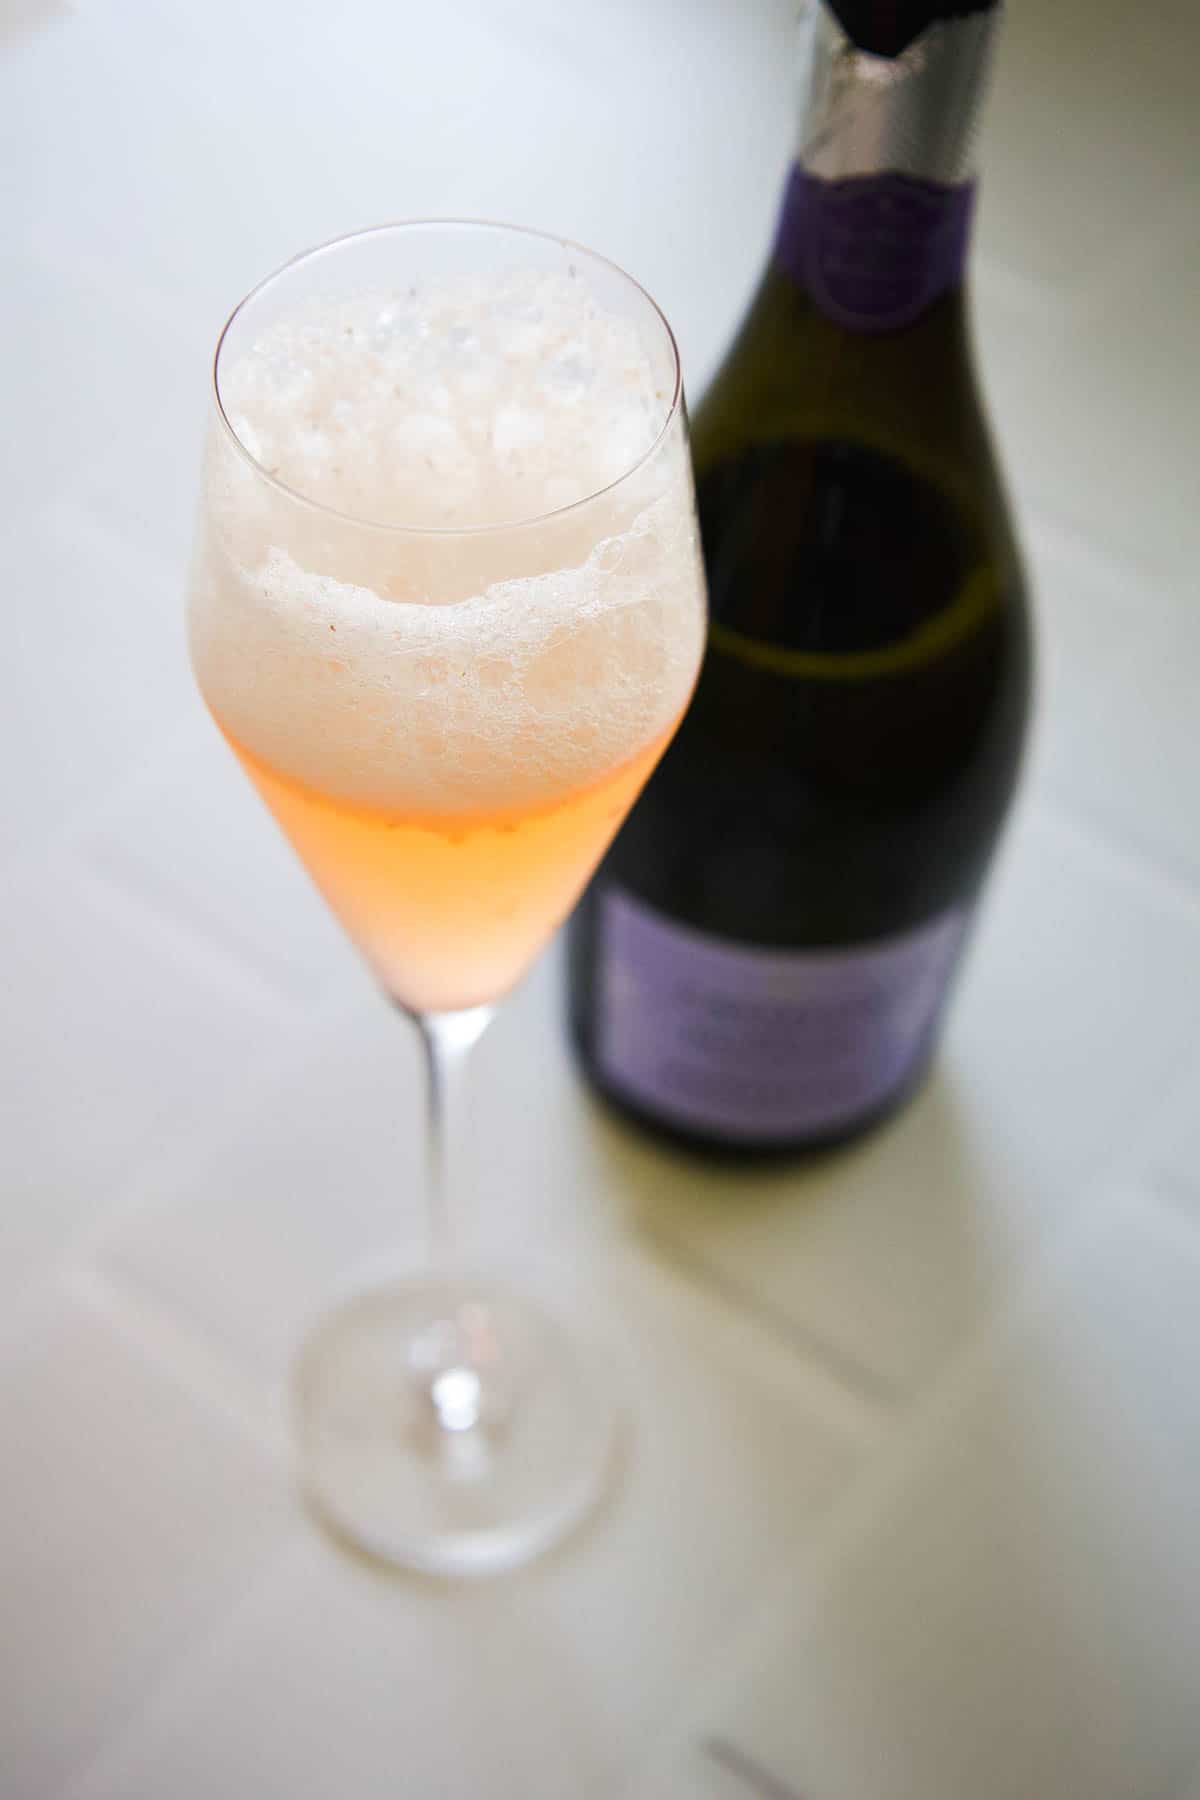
[(764, 958)]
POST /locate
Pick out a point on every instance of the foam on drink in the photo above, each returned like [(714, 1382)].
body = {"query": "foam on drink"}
[(395, 688), (468, 405)]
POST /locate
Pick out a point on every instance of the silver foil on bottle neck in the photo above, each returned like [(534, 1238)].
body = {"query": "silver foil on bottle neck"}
[(912, 114)]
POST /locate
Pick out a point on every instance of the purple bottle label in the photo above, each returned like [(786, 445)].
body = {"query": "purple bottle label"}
[(755, 1046), (873, 251)]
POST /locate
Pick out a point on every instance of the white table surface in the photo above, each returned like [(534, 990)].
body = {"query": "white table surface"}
[(914, 1508)]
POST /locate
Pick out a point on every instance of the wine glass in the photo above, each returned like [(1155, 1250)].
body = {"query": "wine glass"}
[(447, 609)]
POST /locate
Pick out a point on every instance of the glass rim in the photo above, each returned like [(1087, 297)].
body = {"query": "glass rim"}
[(445, 531)]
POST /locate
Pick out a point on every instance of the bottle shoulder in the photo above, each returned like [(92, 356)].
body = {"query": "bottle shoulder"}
[(791, 372)]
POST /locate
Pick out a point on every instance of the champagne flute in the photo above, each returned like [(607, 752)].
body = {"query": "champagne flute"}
[(447, 609)]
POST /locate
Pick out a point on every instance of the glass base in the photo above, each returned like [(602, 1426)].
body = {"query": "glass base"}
[(451, 1426)]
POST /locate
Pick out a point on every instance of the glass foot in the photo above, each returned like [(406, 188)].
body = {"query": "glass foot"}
[(451, 1426)]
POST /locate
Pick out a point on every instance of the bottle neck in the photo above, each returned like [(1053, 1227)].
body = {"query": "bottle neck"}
[(876, 216)]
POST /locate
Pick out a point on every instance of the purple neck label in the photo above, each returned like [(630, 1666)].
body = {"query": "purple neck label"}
[(873, 251)]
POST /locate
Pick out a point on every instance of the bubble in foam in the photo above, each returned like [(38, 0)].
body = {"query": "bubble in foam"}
[(517, 428)]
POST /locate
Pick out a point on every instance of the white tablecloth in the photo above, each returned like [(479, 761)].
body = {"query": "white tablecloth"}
[(913, 1503)]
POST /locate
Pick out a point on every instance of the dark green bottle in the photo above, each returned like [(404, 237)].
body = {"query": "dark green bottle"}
[(764, 957)]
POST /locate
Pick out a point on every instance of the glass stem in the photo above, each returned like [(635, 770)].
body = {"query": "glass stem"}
[(446, 1041)]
